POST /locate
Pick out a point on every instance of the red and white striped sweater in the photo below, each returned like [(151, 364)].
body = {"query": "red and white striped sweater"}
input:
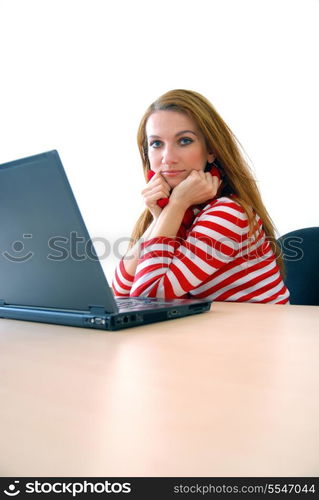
[(217, 260)]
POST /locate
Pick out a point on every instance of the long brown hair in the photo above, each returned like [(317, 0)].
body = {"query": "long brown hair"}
[(237, 176)]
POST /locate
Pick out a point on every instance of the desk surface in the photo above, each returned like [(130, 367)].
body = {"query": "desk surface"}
[(231, 392)]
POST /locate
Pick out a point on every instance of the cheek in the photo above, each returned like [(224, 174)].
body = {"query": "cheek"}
[(153, 158), (196, 159)]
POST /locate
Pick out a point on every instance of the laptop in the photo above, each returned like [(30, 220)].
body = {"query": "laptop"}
[(49, 269)]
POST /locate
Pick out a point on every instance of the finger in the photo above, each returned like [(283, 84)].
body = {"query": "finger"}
[(160, 183), (157, 193), (161, 193), (198, 173), (156, 182), (154, 177), (209, 177), (164, 180), (216, 181), (204, 175)]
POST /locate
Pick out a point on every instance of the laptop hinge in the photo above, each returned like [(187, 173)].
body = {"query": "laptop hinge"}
[(98, 310)]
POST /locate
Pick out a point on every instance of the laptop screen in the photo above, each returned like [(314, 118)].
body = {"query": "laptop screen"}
[(46, 258)]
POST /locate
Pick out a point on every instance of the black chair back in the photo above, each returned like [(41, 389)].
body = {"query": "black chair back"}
[(300, 251)]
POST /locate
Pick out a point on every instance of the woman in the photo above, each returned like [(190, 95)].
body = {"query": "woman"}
[(211, 235)]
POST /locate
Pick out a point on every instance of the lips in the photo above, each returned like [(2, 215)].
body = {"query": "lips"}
[(172, 173)]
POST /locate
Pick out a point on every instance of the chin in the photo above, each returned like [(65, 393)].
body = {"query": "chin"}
[(174, 182)]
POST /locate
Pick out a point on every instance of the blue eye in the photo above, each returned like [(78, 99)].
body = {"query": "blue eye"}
[(155, 144), (185, 141)]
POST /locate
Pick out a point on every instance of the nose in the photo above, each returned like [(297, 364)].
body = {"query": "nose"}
[(169, 156)]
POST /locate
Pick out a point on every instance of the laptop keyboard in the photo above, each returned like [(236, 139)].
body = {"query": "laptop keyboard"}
[(133, 304)]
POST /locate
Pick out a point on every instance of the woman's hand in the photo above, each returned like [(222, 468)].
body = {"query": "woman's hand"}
[(197, 188), (155, 189)]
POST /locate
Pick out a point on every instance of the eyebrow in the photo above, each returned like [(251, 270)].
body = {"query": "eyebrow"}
[(182, 132)]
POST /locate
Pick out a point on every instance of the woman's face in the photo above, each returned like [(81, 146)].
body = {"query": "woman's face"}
[(175, 146)]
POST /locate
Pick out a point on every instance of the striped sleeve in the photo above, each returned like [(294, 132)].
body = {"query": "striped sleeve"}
[(122, 281), (172, 267)]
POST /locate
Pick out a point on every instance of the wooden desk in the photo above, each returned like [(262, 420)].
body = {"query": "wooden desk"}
[(232, 392)]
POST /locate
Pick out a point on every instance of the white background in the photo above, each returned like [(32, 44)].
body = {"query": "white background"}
[(77, 75)]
